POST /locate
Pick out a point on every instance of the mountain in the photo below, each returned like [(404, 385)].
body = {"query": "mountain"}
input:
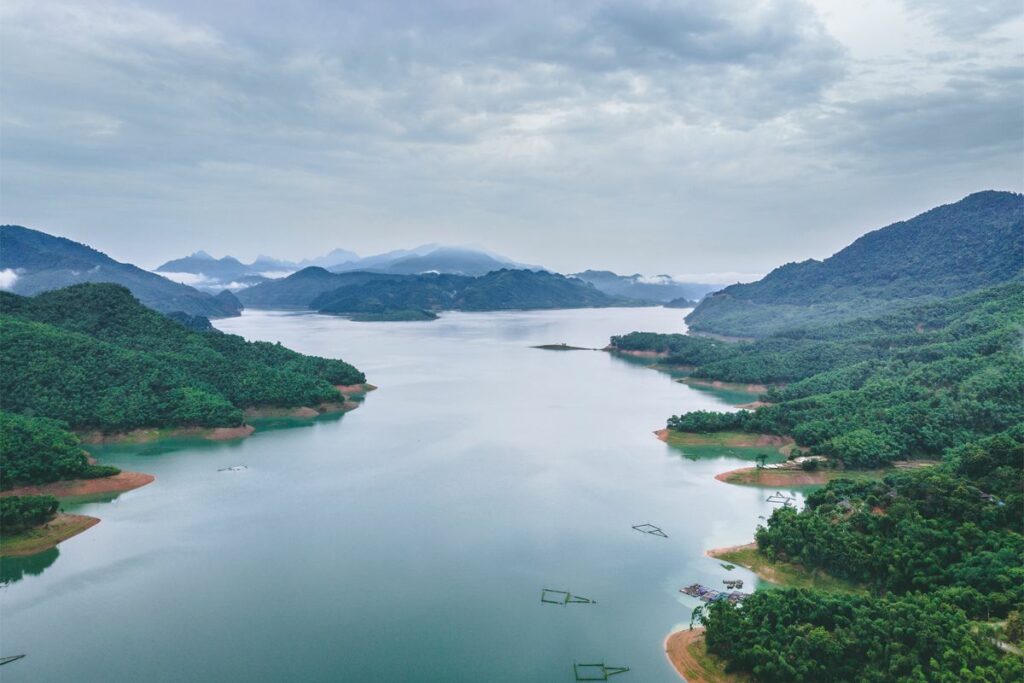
[(38, 262), (947, 251), (93, 356), (660, 288), (434, 258), (225, 269), (299, 289), (497, 290), (681, 302), (205, 272), (335, 257)]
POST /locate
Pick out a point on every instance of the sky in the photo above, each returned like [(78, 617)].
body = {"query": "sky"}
[(708, 139)]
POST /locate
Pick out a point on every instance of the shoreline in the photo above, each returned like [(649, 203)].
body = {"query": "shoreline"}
[(727, 439), (145, 435), (796, 476), (148, 434), (749, 388), (637, 354), (780, 572), (46, 536), (76, 488), (686, 653)]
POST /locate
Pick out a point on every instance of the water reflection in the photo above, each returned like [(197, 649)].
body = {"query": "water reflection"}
[(14, 569)]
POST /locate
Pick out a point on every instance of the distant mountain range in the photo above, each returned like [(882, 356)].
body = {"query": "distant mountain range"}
[(203, 271), (33, 262), (949, 250), (388, 296), (659, 288), (299, 289)]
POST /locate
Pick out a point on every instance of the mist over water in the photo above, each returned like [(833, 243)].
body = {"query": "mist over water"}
[(410, 539)]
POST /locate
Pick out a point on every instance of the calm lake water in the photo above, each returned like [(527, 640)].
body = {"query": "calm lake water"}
[(408, 540)]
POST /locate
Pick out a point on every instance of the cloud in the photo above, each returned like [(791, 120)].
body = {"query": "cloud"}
[(967, 20), (726, 132), (190, 279), (722, 278), (8, 276)]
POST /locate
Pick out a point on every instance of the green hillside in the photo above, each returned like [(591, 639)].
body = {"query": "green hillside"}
[(947, 251), (909, 384), (496, 291), (93, 356)]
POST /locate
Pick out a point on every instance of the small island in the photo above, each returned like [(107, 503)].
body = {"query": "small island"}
[(561, 347)]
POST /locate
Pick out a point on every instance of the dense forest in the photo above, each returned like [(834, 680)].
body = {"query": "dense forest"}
[(942, 554), (18, 513), (940, 550), (949, 250), (38, 450), (802, 636), (907, 384), (93, 356)]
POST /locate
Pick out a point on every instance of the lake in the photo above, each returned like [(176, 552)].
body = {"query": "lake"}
[(408, 540)]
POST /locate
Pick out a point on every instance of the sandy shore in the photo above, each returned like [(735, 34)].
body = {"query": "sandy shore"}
[(73, 488), (732, 439), (59, 529), (685, 651), (145, 435), (637, 354), (753, 405), (752, 476), (349, 389), (729, 386)]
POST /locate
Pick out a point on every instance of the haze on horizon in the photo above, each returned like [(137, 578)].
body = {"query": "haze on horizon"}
[(713, 138)]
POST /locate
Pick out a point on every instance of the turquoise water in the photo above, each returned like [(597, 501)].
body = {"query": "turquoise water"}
[(410, 539)]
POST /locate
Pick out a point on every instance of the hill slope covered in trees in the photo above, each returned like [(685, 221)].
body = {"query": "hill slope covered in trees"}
[(362, 293), (908, 384), (93, 356), (949, 250)]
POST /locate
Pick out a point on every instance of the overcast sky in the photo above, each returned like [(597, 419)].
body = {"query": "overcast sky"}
[(690, 137)]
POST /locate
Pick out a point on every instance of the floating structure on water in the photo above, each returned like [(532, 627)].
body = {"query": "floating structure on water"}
[(650, 529), (780, 498), (12, 658), (233, 468), (596, 672), (733, 583), (553, 597), (708, 594)]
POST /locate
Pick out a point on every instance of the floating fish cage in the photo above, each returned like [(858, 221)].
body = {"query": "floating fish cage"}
[(650, 530), (596, 672), (553, 597), (780, 498), (708, 594)]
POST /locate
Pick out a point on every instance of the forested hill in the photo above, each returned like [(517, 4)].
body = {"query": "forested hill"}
[(947, 251), (93, 356), (361, 293), (40, 262), (299, 289), (939, 551), (867, 392)]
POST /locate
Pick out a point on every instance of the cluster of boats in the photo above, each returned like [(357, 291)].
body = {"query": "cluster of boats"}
[(708, 594)]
